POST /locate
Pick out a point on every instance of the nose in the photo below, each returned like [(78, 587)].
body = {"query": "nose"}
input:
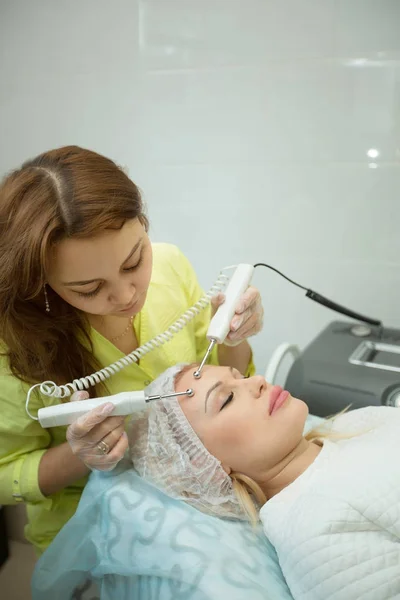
[(257, 385), (123, 294)]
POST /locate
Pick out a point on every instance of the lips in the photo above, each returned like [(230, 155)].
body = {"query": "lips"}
[(277, 398)]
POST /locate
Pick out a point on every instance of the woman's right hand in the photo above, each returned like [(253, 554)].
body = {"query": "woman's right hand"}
[(96, 438)]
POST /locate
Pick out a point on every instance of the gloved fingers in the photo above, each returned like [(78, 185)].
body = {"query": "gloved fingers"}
[(100, 431), (240, 320), (107, 462), (252, 318), (251, 327), (110, 440), (104, 453), (250, 298), (216, 302), (84, 424), (248, 319)]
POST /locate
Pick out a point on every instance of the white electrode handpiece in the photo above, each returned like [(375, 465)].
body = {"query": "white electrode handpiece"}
[(221, 322), (66, 413), (125, 403)]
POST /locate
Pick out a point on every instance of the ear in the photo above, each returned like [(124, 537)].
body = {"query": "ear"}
[(227, 470)]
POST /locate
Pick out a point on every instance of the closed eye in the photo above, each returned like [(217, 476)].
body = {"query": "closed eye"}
[(229, 399), (134, 267), (126, 270), (90, 294)]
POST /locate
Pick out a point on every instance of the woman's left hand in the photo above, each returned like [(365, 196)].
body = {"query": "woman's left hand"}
[(248, 317)]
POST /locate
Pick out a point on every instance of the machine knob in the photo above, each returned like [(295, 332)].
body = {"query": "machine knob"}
[(361, 330), (394, 399)]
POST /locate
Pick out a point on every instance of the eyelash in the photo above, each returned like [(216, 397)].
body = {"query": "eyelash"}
[(89, 294), (229, 399), (231, 396), (96, 291)]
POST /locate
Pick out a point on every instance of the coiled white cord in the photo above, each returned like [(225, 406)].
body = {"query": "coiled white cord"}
[(51, 389)]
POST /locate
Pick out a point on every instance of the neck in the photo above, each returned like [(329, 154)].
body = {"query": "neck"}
[(290, 468), (109, 325)]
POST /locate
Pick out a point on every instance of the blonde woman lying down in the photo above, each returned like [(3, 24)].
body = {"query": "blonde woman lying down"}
[(328, 501)]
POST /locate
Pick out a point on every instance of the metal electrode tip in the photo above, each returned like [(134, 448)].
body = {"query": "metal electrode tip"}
[(190, 392), (197, 373)]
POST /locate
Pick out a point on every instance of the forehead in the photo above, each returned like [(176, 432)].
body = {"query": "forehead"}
[(75, 259), (209, 375)]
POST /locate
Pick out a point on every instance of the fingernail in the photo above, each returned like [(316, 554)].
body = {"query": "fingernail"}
[(107, 408), (235, 324), (81, 395)]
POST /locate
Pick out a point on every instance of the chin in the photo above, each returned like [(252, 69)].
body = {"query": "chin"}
[(298, 410), (302, 411), (304, 406)]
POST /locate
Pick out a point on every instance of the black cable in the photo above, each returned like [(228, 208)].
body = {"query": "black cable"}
[(281, 274), (325, 301)]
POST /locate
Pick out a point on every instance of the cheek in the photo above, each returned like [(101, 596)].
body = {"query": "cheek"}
[(141, 279), (88, 305), (227, 439), (68, 296), (148, 263), (146, 276), (245, 444)]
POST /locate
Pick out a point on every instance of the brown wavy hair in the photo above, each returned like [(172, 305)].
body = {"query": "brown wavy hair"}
[(69, 192)]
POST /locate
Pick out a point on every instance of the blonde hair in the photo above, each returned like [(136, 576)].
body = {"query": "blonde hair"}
[(250, 495)]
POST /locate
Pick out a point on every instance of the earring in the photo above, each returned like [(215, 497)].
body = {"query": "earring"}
[(46, 299)]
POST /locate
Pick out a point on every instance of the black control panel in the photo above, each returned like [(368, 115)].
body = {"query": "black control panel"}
[(348, 364)]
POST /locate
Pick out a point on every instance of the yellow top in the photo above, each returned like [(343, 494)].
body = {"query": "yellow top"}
[(173, 289)]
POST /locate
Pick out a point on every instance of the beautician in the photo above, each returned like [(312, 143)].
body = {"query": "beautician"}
[(81, 286)]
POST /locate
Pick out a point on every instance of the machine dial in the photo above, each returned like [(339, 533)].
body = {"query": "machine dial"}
[(394, 398), (361, 330)]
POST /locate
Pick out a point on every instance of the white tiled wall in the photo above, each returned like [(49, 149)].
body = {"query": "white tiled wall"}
[(247, 123)]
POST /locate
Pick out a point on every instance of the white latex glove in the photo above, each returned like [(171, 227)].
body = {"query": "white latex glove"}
[(96, 431), (248, 317)]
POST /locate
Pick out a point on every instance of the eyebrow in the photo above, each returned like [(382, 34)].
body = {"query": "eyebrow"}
[(132, 252), (212, 389)]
